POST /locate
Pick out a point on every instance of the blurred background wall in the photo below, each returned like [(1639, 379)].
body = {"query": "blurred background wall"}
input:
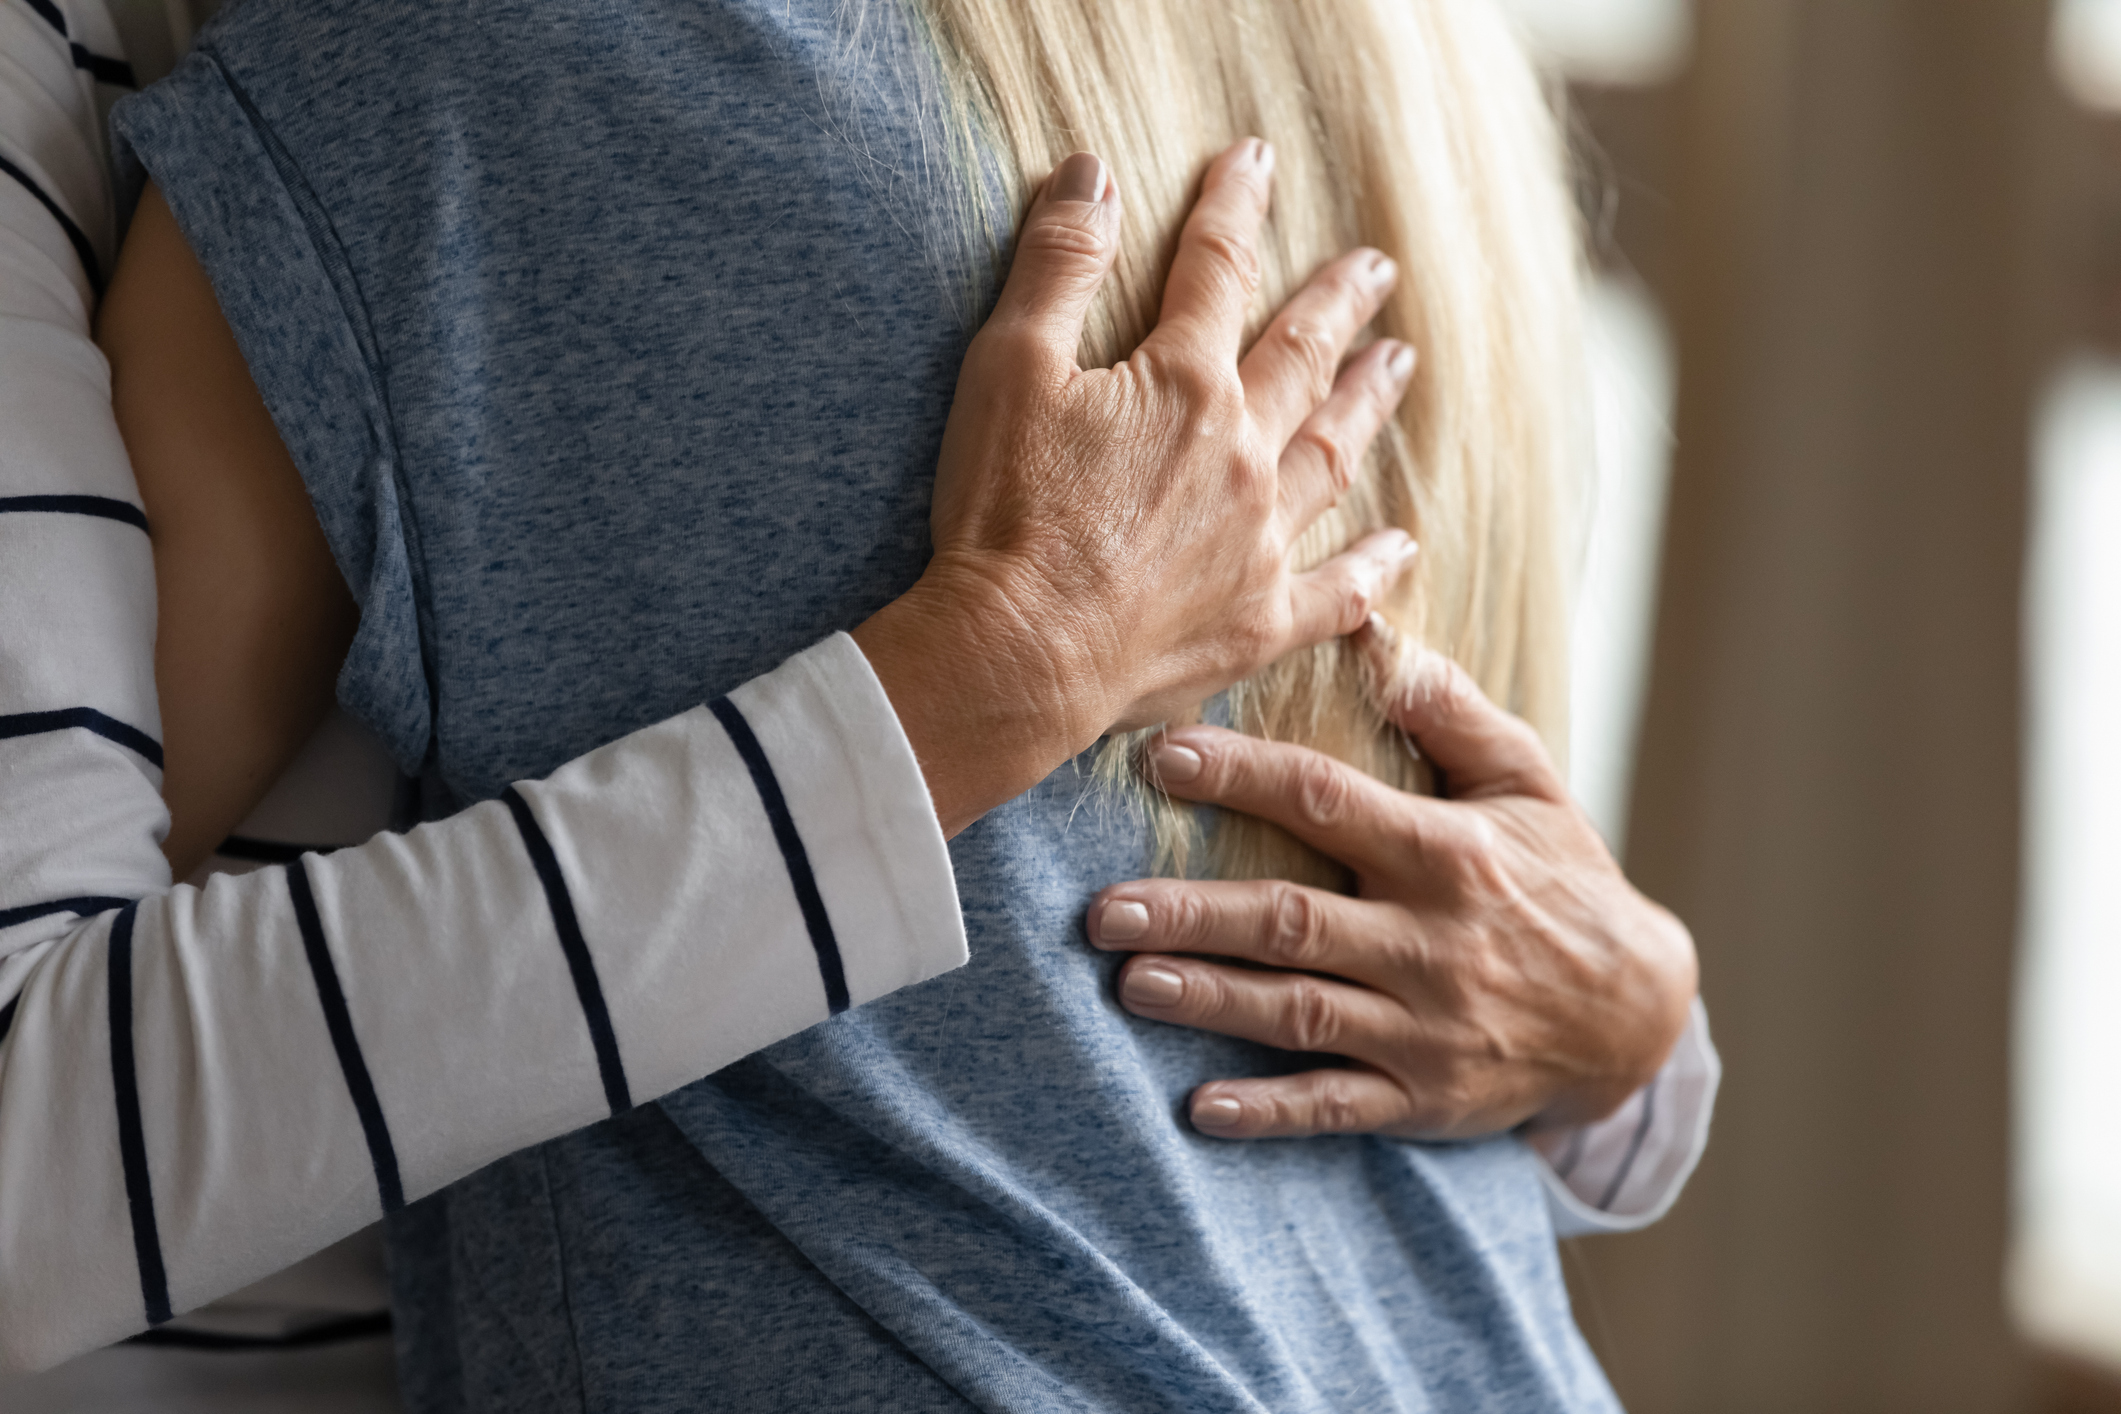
[(1878, 237)]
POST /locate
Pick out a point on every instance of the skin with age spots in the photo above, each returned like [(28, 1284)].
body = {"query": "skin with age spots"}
[(1135, 560)]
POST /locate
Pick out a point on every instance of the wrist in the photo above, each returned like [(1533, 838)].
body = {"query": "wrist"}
[(1649, 1020), (990, 700)]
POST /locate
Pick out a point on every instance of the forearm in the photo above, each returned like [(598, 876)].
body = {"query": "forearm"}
[(309, 1045), (252, 1141)]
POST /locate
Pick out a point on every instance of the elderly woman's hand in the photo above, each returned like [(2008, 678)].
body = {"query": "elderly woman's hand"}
[(1495, 967), (1112, 545)]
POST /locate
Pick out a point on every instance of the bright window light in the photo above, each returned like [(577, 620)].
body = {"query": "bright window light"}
[(2084, 44), (1621, 42), (2066, 1264), (1630, 359)]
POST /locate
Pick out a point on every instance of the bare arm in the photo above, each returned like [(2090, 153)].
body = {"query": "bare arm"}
[(253, 618)]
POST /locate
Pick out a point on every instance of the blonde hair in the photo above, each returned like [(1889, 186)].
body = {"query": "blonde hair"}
[(1418, 127)]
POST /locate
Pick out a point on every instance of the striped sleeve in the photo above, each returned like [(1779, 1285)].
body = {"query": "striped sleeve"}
[(205, 1084), (79, 753), (1626, 1171), (199, 1085)]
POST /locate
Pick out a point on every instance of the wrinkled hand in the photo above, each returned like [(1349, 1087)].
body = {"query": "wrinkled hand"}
[(1495, 966), (1112, 545)]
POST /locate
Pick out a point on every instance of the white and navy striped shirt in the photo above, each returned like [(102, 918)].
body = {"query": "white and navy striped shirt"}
[(200, 1084)]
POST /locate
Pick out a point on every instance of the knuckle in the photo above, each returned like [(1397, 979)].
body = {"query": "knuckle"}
[(1209, 996), (1324, 792), (1471, 853), (1253, 480), (1283, 1112), (1354, 598), (1334, 1109), (1259, 637), (1315, 355), (1331, 451), (1448, 1114), (1231, 256), (1311, 1021), (1058, 241), (1483, 859), (1294, 928), (1192, 920), (1476, 977), (1460, 1101), (1450, 1099), (1208, 396), (1342, 284)]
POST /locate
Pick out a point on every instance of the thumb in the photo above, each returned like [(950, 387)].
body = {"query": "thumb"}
[(1481, 749), (1068, 243)]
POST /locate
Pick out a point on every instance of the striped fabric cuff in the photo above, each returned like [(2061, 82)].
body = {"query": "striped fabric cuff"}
[(830, 886), (856, 795)]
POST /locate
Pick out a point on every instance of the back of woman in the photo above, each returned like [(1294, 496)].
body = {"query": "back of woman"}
[(614, 342)]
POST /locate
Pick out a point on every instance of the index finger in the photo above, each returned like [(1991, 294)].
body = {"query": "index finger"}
[(1328, 804), (1216, 271), (1267, 921)]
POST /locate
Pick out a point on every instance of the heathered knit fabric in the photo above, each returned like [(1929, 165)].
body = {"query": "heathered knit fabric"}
[(614, 339)]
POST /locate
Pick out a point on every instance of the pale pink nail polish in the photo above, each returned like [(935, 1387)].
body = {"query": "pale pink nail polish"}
[(1174, 763), (1121, 921), (1151, 987)]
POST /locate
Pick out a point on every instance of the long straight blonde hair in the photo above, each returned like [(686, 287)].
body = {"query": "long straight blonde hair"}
[(1418, 127)]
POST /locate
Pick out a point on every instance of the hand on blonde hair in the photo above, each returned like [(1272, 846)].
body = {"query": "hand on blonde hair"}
[(1495, 966), (1112, 545)]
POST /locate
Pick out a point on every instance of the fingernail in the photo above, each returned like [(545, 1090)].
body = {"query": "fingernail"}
[(1401, 364), (1220, 1112), (1080, 178), (1121, 921), (1380, 270), (1173, 762), (1409, 550), (1151, 986), (1265, 158)]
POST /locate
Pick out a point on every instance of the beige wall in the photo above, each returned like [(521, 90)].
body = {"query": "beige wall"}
[(1840, 205)]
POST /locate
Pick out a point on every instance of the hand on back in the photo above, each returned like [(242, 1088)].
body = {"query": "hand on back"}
[(1112, 545), (1495, 967)]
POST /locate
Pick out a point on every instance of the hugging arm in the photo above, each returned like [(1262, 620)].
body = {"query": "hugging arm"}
[(200, 1085), (1496, 969)]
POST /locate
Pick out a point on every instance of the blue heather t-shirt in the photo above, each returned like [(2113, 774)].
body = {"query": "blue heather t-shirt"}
[(614, 339)]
